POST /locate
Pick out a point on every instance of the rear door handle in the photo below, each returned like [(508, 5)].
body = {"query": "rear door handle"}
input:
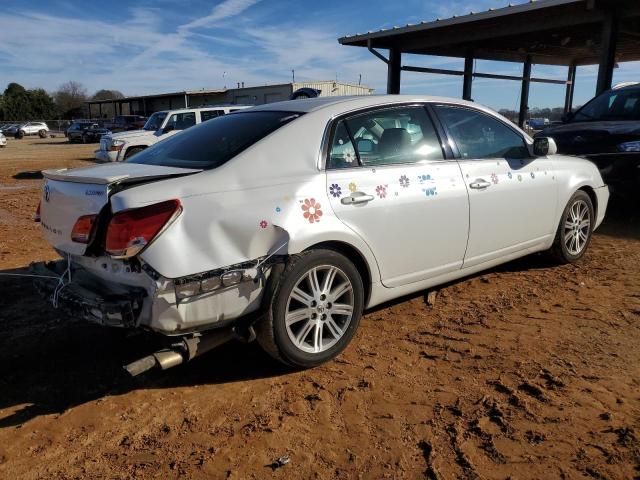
[(480, 184), (356, 198)]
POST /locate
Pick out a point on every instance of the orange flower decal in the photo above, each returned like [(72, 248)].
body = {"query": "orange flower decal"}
[(311, 210)]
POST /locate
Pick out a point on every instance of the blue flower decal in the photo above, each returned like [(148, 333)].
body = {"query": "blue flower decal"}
[(424, 178), (533, 175), (430, 192), (335, 190), (404, 181), (510, 175)]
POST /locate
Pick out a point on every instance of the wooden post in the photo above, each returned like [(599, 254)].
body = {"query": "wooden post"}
[(524, 95), (607, 53), (393, 71), (468, 77)]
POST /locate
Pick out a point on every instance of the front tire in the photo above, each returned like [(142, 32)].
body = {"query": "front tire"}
[(314, 311), (132, 151), (42, 133), (575, 229)]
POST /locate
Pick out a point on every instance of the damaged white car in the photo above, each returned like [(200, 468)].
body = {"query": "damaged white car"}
[(284, 221)]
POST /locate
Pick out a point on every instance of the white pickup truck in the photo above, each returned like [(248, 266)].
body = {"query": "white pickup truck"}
[(120, 146)]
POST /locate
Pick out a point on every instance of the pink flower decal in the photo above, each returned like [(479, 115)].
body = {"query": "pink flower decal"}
[(381, 191), (263, 224), (311, 210), (494, 178)]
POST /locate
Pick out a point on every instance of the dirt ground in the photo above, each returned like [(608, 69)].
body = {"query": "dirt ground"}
[(528, 371)]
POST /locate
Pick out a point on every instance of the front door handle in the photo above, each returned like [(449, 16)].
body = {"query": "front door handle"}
[(480, 184), (356, 198)]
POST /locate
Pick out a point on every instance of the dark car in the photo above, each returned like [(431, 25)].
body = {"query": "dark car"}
[(607, 131), (86, 132), (123, 123)]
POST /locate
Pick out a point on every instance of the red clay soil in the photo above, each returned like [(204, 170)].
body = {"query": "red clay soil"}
[(530, 371)]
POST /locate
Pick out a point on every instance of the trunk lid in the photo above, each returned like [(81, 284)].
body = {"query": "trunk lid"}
[(69, 194)]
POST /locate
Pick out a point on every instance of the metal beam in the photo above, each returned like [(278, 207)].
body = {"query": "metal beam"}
[(607, 53), (571, 84), (441, 71), (524, 95), (393, 71), (468, 77), (376, 53)]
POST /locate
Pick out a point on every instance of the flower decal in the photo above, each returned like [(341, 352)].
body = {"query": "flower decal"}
[(311, 210), (430, 192), (494, 178), (533, 175), (404, 181), (353, 187), (349, 156), (519, 178), (381, 191), (510, 175), (424, 178), (278, 209), (335, 190), (263, 224)]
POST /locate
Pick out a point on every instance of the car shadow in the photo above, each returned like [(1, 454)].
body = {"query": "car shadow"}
[(49, 363)]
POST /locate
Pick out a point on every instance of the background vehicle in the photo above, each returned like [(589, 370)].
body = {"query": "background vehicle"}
[(5, 129), (124, 123), (3, 140), (86, 132), (290, 218), (161, 125), (32, 128), (606, 130)]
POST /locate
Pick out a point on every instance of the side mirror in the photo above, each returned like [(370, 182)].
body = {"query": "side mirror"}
[(543, 146), (365, 145), (167, 128)]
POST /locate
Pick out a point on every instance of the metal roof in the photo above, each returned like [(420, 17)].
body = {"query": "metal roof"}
[(555, 32)]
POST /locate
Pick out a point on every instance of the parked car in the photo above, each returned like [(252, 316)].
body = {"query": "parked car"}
[(537, 123), (3, 140), (124, 123), (5, 129), (285, 221), (606, 130), (161, 125), (32, 128), (86, 132)]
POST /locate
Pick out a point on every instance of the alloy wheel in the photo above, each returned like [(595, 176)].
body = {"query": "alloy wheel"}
[(577, 227), (319, 309)]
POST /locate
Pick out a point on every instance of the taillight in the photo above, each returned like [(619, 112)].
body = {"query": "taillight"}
[(83, 229), (130, 231), (36, 217)]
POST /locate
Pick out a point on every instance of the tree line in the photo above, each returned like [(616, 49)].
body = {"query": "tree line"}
[(67, 102)]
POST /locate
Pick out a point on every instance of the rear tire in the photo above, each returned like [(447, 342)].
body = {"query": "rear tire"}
[(20, 134), (314, 310), (575, 229)]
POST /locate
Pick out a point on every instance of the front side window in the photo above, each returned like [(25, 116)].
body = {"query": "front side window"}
[(211, 144), (182, 121), (613, 105), (478, 135), (385, 137), (209, 114), (155, 121)]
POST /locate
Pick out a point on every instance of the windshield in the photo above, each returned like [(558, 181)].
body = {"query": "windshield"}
[(621, 104), (155, 121), (213, 143)]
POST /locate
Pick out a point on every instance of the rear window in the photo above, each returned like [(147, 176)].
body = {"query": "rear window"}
[(211, 144)]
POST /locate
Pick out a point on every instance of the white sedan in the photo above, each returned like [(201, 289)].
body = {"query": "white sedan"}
[(285, 221)]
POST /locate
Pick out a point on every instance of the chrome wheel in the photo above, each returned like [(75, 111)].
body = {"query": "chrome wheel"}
[(577, 227), (319, 309)]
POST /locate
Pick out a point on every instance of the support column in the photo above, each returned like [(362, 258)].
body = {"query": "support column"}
[(468, 77), (571, 85), (393, 71), (100, 109), (524, 94), (607, 53)]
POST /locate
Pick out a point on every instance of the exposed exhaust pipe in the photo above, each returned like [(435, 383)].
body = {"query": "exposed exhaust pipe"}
[(184, 351)]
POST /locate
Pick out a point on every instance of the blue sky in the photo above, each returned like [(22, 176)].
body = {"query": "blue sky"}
[(144, 47)]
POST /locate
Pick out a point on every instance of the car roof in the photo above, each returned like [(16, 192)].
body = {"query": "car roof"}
[(356, 101)]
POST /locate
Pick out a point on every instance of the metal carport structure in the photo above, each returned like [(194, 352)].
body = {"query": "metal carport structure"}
[(549, 32)]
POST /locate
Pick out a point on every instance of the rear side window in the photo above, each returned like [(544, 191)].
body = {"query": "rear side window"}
[(209, 114), (385, 137), (478, 135), (211, 144)]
